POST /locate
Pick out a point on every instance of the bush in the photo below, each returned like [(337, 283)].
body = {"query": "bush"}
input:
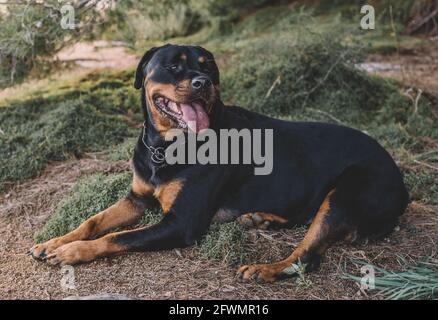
[(134, 21), (225, 243), (422, 185), (35, 134), (290, 77), (32, 31), (88, 197)]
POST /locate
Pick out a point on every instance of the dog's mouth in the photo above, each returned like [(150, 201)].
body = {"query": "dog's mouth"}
[(190, 115)]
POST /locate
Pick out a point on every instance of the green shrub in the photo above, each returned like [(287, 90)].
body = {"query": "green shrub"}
[(225, 242), (122, 151), (290, 76), (35, 134), (88, 197), (423, 185), (136, 21), (31, 32)]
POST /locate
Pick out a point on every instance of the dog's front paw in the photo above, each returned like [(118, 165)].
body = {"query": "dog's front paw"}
[(70, 254), (42, 250), (258, 272)]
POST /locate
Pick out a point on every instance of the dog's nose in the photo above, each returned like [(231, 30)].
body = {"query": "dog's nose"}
[(200, 82)]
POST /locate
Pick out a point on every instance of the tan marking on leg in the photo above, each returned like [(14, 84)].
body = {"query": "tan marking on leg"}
[(83, 251), (167, 193), (122, 213), (313, 240)]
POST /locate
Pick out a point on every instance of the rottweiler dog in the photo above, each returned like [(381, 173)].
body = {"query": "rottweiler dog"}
[(336, 178)]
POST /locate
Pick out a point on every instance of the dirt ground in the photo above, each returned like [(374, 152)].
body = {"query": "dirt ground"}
[(416, 68), (183, 274), (83, 58)]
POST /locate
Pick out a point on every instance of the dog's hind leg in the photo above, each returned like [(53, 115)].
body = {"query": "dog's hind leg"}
[(125, 212), (327, 227)]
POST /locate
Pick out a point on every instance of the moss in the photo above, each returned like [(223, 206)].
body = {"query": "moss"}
[(89, 196), (122, 151), (423, 185), (66, 119), (36, 134), (225, 242)]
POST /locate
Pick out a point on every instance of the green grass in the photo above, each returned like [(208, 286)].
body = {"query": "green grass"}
[(122, 151), (90, 195), (423, 185), (36, 134), (64, 120), (418, 281), (225, 243)]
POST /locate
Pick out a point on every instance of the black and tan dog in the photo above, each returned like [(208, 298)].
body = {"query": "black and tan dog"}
[(337, 178)]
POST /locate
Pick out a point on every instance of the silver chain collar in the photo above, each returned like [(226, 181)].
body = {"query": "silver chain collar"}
[(158, 155)]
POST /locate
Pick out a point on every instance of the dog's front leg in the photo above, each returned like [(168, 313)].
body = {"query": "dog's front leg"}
[(171, 232), (187, 218), (124, 212)]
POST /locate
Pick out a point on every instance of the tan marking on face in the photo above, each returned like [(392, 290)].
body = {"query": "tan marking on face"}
[(201, 59), (161, 123), (167, 193), (183, 56), (177, 94)]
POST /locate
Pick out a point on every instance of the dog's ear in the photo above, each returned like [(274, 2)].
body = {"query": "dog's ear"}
[(139, 76)]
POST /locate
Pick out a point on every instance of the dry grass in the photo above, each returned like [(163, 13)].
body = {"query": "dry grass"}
[(159, 275), (41, 195)]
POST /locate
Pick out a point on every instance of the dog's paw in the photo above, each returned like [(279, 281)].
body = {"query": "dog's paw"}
[(260, 220), (41, 250), (69, 254), (258, 272), (253, 220)]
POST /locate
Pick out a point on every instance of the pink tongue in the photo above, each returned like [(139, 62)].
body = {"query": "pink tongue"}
[(195, 116)]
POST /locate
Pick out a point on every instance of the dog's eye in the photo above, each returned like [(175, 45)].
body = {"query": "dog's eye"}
[(172, 67)]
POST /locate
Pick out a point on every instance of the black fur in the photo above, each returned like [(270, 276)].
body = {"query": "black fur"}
[(310, 159)]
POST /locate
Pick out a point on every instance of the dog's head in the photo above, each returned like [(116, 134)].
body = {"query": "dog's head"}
[(180, 86)]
